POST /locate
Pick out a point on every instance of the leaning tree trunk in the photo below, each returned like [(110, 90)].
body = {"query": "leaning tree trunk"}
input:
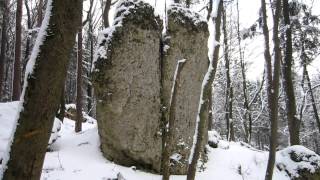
[(272, 79), (202, 117), (290, 99), (42, 89), (16, 91)]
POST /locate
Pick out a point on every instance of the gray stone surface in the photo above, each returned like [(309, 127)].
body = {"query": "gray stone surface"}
[(187, 40), (127, 87), (127, 83)]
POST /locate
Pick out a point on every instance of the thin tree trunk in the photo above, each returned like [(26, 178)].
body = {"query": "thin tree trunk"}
[(3, 45), (28, 43), (40, 14), (314, 106), (79, 118), (106, 13), (248, 128), (171, 124), (43, 86), (16, 91), (229, 90), (290, 99), (202, 117), (272, 78)]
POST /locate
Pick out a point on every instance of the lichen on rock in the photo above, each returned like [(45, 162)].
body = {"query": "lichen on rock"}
[(126, 83)]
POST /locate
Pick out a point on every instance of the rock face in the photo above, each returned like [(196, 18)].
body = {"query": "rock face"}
[(299, 163), (133, 80), (128, 89), (187, 39)]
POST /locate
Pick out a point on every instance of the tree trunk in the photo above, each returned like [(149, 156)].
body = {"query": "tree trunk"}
[(79, 118), (169, 135), (272, 79), (40, 14), (62, 108), (229, 90), (290, 99), (202, 117), (42, 87), (16, 91), (106, 14), (313, 102), (3, 44)]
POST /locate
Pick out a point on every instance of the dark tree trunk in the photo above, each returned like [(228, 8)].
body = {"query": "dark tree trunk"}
[(229, 90), (290, 99), (3, 44), (16, 91), (272, 79), (79, 118), (106, 14), (62, 109), (203, 106), (40, 95), (40, 14), (171, 124)]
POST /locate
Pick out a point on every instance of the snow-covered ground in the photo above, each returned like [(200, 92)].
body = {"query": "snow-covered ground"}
[(77, 156)]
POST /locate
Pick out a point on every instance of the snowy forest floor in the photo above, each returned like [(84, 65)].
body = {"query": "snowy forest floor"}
[(77, 156)]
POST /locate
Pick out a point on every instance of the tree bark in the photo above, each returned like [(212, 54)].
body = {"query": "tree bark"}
[(314, 105), (106, 14), (229, 90), (79, 118), (171, 124), (40, 14), (290, 99), (43, 86), (62, 108), (16, 91), (272, 79), (3, 44), (205, 95)]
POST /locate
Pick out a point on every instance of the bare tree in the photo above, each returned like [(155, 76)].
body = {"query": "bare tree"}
[(3, 43), (293, 122), (229, 89), (42, 86), (272, 80), (17, 54), (79, 117), (202, 117), (106, 13), (170, 126)]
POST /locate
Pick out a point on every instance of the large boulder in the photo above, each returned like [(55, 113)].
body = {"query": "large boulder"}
[(126, 83), (133, 77), (186, 38), (299, 163)]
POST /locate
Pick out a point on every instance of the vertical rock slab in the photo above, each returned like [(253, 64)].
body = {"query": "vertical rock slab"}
[(127, 86), (187, 37)]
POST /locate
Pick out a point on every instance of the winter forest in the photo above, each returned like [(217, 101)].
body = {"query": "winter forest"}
[(159, 89)]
